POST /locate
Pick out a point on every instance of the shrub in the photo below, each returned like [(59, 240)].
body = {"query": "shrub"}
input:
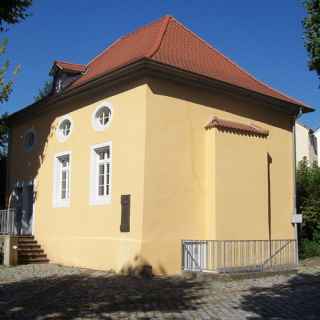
[(308, 204), (308, 199), (309, 249)]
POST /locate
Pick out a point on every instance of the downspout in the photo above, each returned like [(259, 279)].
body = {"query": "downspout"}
[(294, 195), (8, 192)]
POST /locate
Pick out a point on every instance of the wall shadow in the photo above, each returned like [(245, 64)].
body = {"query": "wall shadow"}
[(97, 296), (223, 100), (297, 299)]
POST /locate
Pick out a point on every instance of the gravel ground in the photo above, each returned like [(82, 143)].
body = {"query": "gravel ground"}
[(39, 292), (35, 271)]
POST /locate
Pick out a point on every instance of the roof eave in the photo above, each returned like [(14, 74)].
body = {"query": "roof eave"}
[(153, 68), (200, 80), (57, 66)]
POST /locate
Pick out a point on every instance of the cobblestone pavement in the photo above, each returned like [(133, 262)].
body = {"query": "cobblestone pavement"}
[(38, 292)]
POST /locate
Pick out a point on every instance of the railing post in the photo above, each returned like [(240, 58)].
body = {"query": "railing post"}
[(235, 255), (182, 256), (7, 222)]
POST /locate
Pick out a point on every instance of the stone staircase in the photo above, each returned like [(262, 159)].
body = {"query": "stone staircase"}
[(29, 251)]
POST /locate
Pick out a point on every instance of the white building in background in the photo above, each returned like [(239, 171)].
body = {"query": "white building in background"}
[(307, 144), (316, 134)]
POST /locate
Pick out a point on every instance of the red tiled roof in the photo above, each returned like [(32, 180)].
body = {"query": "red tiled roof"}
[(73, 67), (169, 42), (232, 125)]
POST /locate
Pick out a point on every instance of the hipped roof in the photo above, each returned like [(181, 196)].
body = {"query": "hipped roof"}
[(169, 42)]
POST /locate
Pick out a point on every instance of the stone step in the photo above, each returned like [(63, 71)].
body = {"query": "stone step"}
[(29, 246), (26, 255), (26, 238), (26, 242), (33, 260), (29, 251)]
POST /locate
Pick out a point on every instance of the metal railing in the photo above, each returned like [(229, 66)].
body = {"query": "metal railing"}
[(238, 255), (8, 222)]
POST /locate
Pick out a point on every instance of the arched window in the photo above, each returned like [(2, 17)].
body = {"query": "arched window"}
[(102, 117), (64, 129), (29, 139)]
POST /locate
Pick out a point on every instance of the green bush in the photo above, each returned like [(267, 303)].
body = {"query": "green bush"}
[(309, 249), (308, 204)]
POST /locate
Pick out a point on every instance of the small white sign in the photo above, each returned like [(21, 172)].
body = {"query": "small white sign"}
[(297, 218)]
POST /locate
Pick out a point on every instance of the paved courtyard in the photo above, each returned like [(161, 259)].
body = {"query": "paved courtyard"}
[(54, 292)]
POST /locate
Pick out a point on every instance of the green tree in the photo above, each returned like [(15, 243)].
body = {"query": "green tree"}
[(308, 203), (312, 33), (45, 91), (5, 86), (3, 136), (12, 12)]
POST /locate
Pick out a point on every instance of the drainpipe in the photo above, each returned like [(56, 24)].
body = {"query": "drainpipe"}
[(299, 114)]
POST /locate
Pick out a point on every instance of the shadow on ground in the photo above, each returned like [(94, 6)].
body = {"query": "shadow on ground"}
[(299, 299), (97, 297)]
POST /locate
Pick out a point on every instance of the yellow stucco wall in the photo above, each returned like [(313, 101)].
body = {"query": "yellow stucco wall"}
[(86, 235), (208, 184), (186, 182)]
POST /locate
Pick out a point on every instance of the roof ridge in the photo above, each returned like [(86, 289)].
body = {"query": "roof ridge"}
[(126, 36), (234, 63), (158, 41)]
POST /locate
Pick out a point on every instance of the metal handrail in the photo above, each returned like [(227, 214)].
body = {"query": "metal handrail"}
[(189, 254), (238, 255), (8, 222), (278, 251)]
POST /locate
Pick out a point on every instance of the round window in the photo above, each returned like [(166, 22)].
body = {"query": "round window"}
[(29, 139), (64, 129), (102, 118)]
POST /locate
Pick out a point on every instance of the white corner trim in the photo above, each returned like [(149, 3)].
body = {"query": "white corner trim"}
[(94, 199), (58, 203), (33, 227), (59, 136), (97, 126)]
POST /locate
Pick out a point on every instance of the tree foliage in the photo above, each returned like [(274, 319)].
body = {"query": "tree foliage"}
[(308, 200), (5, 86), (13, 11), (3, 136), (45, 91), (312, 33)]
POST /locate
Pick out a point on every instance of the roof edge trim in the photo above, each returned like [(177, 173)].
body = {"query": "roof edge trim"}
[(151, 68), (236, 126)]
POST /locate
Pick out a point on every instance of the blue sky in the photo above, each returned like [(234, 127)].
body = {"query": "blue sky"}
[(264, 37)]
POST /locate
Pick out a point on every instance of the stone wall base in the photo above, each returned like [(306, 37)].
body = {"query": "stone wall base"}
[(9, 250)]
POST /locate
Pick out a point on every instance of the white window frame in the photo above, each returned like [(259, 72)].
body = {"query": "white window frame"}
[(95, 199), (60, 136), (57, 201), (95, 123)]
